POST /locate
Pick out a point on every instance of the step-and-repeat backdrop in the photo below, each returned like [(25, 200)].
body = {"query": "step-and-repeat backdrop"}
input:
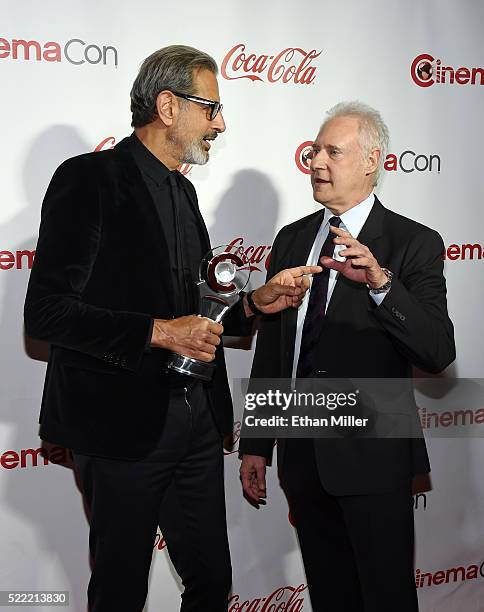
[(66, 70)]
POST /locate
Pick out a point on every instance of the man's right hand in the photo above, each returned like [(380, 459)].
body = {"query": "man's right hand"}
[(253, 477), (192, 336)]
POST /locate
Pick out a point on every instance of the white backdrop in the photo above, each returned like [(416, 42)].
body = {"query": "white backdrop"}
[(66, 69)]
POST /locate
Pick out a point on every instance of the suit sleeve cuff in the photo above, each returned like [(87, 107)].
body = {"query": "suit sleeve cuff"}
[(148, 338), (236, 323)]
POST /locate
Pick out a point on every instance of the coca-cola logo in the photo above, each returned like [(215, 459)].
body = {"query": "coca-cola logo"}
[(110, 141), (234, 439), (184, 169), (160, 543), (292, 64), (283, 599), (257, 257), (107, 143)]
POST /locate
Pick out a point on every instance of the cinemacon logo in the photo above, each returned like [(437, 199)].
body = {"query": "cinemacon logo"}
[(258, 258), (292, 64), (448, 576), (34, 457), (426, 71), (408, 161), (76, 51)]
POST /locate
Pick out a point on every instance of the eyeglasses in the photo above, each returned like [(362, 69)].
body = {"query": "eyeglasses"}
[(215, 107)]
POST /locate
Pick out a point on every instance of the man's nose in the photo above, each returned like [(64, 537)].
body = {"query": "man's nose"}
[(319, 161), (219, 123)]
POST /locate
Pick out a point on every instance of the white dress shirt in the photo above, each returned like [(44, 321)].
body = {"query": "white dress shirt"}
[(352, 221)]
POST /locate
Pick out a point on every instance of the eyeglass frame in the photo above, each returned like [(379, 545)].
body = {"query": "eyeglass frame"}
[(215, 107)]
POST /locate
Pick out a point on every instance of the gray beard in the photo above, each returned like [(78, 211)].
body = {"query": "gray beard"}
[(195, 154)]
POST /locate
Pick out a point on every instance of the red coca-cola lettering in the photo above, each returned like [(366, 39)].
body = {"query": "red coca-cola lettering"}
[(110, 141), (234, 440), (184, 169), (291, 64), (107, 143), (278, 601), (252, 254), (160, 543)]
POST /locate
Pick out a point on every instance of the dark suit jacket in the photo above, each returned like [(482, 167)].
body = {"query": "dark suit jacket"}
[(101, 273), (361, 340)]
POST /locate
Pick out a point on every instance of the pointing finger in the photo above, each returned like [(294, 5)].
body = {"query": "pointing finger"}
[(340, 232), (302, 270)]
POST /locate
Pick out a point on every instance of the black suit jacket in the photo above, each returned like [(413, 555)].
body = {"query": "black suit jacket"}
[(361, 340), (101, 274)]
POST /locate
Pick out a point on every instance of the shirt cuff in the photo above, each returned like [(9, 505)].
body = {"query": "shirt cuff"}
[(379, 297)]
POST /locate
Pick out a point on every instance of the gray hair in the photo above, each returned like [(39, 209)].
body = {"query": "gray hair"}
[(373, 130), (168, 68)]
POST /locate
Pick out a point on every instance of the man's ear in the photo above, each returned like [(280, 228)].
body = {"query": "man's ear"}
[(166, 107), (372, 161)]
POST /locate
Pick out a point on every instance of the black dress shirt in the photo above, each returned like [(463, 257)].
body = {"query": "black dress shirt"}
[(180, 226)]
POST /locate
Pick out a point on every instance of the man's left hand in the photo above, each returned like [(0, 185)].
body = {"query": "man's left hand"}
[(360, 265), (285, 289)]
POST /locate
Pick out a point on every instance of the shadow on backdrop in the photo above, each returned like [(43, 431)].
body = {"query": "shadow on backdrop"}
[(247, 213), (41, 507)]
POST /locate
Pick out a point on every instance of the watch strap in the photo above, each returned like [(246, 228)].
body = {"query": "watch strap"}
[(251, 304)]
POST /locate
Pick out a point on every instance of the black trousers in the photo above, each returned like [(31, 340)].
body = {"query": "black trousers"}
[(178, 487), (357, 550)]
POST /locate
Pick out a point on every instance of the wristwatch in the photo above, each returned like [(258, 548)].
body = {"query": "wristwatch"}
[(384, 288), (252, 306)]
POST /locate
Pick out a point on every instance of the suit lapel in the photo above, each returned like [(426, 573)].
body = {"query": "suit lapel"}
[(370, 231), (304, 239)]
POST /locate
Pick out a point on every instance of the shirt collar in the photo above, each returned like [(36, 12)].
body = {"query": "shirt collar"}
[(354, 218), (147, 162)]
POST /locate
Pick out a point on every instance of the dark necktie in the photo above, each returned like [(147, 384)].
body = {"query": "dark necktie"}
[(313, 322), (184, 306)]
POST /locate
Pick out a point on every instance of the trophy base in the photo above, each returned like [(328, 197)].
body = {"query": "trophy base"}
[(191, 367)]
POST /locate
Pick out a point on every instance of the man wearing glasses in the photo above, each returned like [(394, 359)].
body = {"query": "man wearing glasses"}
[(139, 436)]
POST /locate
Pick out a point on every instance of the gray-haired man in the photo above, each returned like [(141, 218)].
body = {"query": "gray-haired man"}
[(147, 445), (377, 309)]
